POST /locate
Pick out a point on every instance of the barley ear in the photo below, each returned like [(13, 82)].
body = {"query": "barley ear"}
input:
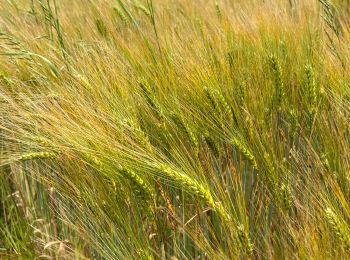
[(192, 187), (37, 155), (244, 151), (311, 89), (244, 240), (286, 197), (339, 227), (278, 80), (188, 130), (151, 99), (143, 193)]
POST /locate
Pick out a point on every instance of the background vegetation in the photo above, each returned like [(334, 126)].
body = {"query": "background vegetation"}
[(174, 129)]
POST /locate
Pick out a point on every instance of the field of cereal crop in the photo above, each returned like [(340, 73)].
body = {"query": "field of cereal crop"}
[(174, 129)]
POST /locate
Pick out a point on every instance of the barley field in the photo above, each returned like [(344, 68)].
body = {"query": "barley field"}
[(174, 129)]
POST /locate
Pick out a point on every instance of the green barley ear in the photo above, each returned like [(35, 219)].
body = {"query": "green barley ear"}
[(101, 27), (327, 165), (142, 8), (5, 80), (242, 92), (286, 197), (227, 110), (330, 17), (192, 187), (278, 80), (45, 144), (230, 56), (222, 108), (37, 155), (270, 168), (93, 161), (292, 123), (183, 180), (217, 9), (121, 14), (249, 127), (118, 189), (140, 135), (325, 162), (311, 88), (210, 143), (339, 227), (151, 99), (211, 96), (246, 153), (143, 193), (187, 129), (244, 240), (144, 254)]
